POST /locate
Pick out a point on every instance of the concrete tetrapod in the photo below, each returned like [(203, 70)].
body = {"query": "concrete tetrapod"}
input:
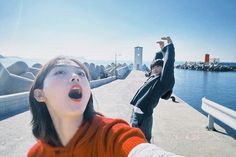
[(11, 83)]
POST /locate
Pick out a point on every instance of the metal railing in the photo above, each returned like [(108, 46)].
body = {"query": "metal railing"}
[(219, 112)]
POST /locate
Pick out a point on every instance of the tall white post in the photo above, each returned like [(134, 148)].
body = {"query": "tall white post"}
[(138, 57)]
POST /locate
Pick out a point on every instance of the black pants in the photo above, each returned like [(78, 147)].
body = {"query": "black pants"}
[(144, 122)]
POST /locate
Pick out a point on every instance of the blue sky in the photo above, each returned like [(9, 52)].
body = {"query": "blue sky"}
[(98, 29)]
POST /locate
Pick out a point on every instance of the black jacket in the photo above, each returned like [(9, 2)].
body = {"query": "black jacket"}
[(155, 87)]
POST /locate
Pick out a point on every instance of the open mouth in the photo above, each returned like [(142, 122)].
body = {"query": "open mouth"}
[(75, 92)]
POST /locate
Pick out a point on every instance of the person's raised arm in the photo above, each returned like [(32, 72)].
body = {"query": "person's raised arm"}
[(169, 59), (167, 79)]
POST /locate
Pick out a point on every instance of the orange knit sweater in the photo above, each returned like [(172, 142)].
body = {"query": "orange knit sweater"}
[(103, 137)]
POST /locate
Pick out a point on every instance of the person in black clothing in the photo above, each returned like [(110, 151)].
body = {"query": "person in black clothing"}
[(159, 85)]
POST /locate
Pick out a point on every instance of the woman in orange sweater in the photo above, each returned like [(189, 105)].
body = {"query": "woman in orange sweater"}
[(65, 123)]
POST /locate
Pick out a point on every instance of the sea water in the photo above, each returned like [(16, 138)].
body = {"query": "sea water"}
[(220, 87)]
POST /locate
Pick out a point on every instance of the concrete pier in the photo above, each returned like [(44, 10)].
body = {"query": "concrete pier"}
[(177, 126)]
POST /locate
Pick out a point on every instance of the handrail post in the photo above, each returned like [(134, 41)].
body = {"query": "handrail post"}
[(210, 122)]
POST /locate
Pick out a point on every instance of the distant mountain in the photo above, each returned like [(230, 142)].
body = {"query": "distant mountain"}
[(1, 56)]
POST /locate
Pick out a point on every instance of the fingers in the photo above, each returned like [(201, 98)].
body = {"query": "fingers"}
[(162, 44), (165, 38), (168, 39)]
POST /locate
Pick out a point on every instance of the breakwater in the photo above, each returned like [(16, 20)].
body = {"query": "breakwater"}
[(201, 66), (17, 79)]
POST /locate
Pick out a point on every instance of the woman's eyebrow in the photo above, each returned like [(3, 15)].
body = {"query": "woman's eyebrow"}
[(64, 66)]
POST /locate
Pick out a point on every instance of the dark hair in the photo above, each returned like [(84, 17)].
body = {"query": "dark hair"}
[(42, 125), (167, 95), (157, 62)]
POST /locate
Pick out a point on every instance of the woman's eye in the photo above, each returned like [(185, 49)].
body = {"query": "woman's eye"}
[(59, 72), (81, 74)]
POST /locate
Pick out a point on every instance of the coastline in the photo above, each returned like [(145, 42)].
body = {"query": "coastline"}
[(214, 67)]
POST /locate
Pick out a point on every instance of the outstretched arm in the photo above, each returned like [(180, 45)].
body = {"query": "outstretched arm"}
[(150, 150)]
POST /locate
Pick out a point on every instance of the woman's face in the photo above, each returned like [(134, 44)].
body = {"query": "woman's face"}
[(156, 70), (66, 89)]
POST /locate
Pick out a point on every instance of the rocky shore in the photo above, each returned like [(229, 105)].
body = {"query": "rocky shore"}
[(201, 66)]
